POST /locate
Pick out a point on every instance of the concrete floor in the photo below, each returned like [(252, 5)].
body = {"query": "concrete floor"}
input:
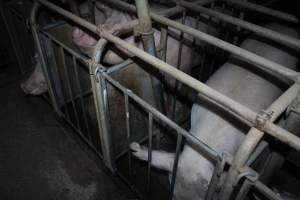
[(40, 158)]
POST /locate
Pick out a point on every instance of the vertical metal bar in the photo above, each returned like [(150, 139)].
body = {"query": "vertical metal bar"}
[(175, 165), (74, 7), (128, 134), (145, 28), (219, 168), (65, 104), (178, 67), (41, 56), (92, 11), (81, 98), (100, 98), (150, 134), (243, 192), (11, 35), (69, 87)]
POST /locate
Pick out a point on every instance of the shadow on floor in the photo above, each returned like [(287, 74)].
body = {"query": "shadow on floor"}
[(41, 159)]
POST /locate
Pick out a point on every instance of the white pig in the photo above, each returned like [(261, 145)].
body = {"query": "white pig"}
[(235, 80)]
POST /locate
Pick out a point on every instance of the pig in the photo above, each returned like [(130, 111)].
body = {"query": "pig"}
[(243, 84), (87, 44), (36, 83)]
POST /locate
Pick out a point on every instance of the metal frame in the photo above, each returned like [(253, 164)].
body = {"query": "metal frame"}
[(261, 123)]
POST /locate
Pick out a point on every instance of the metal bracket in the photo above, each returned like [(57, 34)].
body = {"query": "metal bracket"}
[(138, 31), (262, 118), (246, 172), (95, 69)]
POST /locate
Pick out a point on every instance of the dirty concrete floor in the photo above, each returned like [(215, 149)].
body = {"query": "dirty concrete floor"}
[(40, 158)]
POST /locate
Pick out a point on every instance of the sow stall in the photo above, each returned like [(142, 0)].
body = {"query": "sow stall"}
[(71, 96)]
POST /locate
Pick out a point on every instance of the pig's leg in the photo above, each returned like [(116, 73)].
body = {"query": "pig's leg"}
[(160, 159)]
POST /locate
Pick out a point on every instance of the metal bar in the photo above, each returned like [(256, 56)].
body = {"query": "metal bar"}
[(202, 147), (254, 136), (101, 106), (267, 192), (146, 31), (265, 32), (128, 134), (65, 105), (150, 135), (33, 24), (68, 83), (178, 66), (242, 194), (175, 166), (120, 66), (264, 10), (81, 97), (91, 7), (242, 53), (68, 49)]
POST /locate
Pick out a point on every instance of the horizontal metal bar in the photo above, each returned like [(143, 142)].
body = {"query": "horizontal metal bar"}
[(120, 66), (68, 49), (267, 11), (178, 9), (244, 54), (265, 32)]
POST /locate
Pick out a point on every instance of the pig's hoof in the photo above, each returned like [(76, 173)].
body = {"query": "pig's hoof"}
[(134, 146)]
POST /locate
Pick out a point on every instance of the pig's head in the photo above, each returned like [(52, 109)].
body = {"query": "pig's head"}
[(84, 41)]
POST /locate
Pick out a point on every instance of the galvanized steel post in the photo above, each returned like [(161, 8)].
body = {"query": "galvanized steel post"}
[(42, 60), (146, 31)]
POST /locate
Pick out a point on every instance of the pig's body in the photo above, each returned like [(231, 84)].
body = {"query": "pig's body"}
[(234, 80)]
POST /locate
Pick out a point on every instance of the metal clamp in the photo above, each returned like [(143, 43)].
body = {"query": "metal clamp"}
[(246, 172), (262, 118), (95, 69), (138, 31)]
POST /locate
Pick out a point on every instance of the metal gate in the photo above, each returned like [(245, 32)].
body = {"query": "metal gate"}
[(71, 105)]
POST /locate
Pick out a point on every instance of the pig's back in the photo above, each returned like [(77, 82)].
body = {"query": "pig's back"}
[(235, 80)]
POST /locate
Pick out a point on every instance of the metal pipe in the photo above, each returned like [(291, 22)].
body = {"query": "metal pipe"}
[(267, 33), (254, 136), (146, 31), (242, 53), (33, 25), (264, 10)]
